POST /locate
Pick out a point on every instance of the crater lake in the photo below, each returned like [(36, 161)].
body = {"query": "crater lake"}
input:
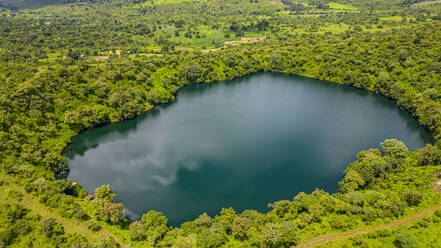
[(241, 143)]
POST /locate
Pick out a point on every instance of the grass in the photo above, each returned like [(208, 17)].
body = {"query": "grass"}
[(334, 5), (209, 38), (164, 2), (392, 18)]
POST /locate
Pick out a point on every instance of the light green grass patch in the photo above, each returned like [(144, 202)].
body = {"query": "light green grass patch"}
[(334, 5), (164, 2), (392, 18)]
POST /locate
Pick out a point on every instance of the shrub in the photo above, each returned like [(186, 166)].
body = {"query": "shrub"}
[(51, 228), (93, 226), (339, 222), (22, 227), (6, 237), (413, 197), (79, 213), (15, 195)]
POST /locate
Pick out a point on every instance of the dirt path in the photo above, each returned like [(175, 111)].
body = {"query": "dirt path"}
[(398, 223)]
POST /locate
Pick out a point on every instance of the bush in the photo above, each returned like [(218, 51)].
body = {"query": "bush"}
[(93, 226), (79, 214), (413, 197), (22, 227), (405, 240), (339, 222), (15, 195), (6, 237), (51, 228), (386, 232)]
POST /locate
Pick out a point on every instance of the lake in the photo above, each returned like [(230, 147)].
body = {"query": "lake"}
[(242, 143)]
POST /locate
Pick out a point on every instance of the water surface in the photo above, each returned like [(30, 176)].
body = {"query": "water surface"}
[(242, 143)]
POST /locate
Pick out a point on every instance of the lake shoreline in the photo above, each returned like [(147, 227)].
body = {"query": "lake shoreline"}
[(178, 135)]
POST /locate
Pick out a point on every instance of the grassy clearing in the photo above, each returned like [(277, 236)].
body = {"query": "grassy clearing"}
[(164, 2), (392, 19), (334, 5)]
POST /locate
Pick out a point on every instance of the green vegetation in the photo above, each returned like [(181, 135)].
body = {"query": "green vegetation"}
[(65, 68)]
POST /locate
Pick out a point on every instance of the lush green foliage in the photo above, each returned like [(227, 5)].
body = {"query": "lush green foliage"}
[(65, 68)]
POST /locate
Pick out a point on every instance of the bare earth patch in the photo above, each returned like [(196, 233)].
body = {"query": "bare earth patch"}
[(209, 50), (244, 40), (276, 3), (183, 49), (253, 39), (100, 57)]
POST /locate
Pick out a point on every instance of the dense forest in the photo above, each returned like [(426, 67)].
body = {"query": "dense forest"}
[(70, 65)]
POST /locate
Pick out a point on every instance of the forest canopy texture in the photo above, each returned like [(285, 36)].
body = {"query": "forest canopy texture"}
[(66, 66)]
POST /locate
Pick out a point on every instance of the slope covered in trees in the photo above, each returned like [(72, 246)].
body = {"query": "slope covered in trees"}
[(65, 68)]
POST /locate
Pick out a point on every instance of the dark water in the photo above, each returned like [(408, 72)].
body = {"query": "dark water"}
[(241, 144)]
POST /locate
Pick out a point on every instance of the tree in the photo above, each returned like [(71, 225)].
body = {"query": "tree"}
[(203, 221), (105, 193), (240, 227), (405, 240), (137, 232), (279, 235), (429, 155), (351, 182), (193, 73), (369, 165), (395, 149), (112, 212), (155, 225), (208, 238)]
